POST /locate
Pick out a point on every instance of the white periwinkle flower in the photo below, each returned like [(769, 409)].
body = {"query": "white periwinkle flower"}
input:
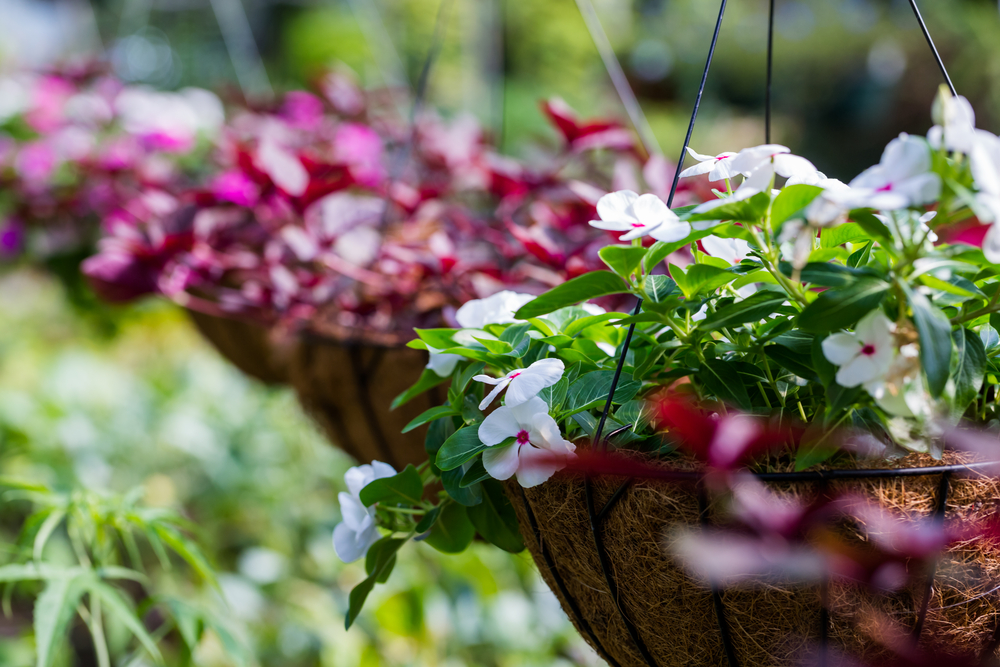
[(442, 364), (902, 178), (864, 355), (498, 308), (473, 315), (731, 250), (717, 168), (537, 442), (831, 206), (625, 211), (760, 164), (357, 533), (523, 384), (956, 123), (900, 391)]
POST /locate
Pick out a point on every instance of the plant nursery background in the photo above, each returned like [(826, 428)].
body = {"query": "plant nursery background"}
[(105, 409)]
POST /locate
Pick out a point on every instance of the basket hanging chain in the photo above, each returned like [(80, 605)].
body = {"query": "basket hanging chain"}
[(930, 43)]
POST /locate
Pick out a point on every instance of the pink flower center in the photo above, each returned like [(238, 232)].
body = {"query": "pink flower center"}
[(868, 350), (515, 375), (522, 437), (637, 225), (885, 188)]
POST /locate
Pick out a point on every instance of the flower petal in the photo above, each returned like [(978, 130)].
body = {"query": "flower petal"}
[(698, 169), (501, 462), (536, 466), (494, 393), (611, 225), (499, 425), (616, 206), (650, 210), (841, 348), (671, 232), (351, 545), (857, 371), (526, 385)]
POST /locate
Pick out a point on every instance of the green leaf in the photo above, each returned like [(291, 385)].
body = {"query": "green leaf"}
[(579, 326), (429, 416), (861, 257), (48, 526), (495, 520), (824, 368), (405, 488), (828, 274), (428, 379), (53, 610), (723, 380), (459, 448), (660, 288), (495, 346), (989, 336), (437, 433), (439, 339), (475, 474), (659, 251), (840, 308), (187, 550), (381, 558), (452, 533), (755, 307), (849, 232), (588, 286), (745, 210), (117, 607), (555, 394), (591, 390), (971, 367), (470, 495), (378, 566), (935, 339), (701, 278), (791, 200), (623, 260), (867, 221), (795, 362), (656, 254), (427, 521)]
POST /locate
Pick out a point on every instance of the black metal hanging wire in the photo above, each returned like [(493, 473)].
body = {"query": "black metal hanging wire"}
[(820, 477)]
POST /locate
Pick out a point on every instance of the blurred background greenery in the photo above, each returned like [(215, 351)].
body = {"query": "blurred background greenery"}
[(849, 74), (113, 401), (153, 408)]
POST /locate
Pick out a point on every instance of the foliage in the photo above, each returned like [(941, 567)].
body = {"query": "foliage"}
[(749, 327), (153, 408)]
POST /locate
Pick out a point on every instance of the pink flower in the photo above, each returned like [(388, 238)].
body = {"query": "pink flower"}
[(302, 110), (36, 162), (360, 147), (235, 187)]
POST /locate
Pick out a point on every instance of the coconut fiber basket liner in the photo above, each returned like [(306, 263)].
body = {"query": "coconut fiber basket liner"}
[(637, 608), (247, 346), (346, 380)]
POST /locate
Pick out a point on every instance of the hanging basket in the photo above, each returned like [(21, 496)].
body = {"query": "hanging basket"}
[(637, 608), (345, 381), (247, 346)]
